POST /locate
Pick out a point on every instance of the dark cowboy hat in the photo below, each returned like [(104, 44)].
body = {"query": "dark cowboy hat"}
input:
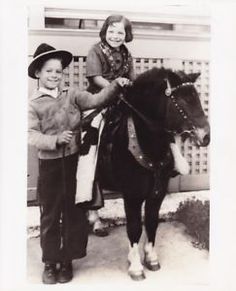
[(45, 52)]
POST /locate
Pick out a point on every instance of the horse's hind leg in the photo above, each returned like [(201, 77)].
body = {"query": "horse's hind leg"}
[(134, 231), (152, 207)]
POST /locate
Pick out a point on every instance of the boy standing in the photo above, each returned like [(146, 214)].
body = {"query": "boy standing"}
[(54, 117)]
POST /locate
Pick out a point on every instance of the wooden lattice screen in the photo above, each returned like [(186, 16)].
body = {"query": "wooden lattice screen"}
[(197, 157)]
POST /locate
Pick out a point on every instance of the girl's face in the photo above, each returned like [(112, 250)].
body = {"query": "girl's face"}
[(50, 74), (115, 35)]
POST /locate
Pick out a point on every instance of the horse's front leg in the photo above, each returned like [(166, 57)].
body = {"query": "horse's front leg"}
[(134, 231), (152, 207)]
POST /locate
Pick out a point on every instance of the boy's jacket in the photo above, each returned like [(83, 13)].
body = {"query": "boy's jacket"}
[(49, 116)]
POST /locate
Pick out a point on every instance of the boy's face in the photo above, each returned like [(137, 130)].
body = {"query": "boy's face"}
[(115, 35), (50, 74)]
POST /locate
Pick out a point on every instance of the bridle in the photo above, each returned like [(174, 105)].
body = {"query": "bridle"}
[(169, 92)]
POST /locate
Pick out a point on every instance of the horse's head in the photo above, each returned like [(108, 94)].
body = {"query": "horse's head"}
[(185, 115), (169, 100)]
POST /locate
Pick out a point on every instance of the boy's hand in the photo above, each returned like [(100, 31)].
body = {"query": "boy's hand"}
[(123, 81), (64, 137)]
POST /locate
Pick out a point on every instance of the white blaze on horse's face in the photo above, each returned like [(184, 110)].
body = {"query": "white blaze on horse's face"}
[(115, 35), (201, 138)]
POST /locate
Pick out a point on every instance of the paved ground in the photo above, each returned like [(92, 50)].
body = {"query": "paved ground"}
[(181, 263), (113, 211)]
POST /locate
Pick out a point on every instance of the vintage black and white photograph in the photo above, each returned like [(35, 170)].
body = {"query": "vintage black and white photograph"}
[(118, 164), (118, 137)]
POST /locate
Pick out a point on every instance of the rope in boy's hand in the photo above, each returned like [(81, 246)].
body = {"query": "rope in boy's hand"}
[(64, 137)]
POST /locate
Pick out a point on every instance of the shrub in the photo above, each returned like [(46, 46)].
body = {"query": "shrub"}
[(194, 214)]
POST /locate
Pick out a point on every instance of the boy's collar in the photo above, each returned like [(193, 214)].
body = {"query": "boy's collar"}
[(38, 93), (53, 93)]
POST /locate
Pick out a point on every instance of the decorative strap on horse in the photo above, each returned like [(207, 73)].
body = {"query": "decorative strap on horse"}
[(170, 90), (141, 158), (135, 149)]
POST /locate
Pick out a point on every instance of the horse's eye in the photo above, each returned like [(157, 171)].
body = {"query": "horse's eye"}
[(190, 95), (188, 98)]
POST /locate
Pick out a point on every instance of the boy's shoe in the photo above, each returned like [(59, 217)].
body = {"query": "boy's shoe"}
[(49, 275), (65, 272)]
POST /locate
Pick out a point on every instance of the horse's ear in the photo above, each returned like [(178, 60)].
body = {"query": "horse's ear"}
[(193, 77)]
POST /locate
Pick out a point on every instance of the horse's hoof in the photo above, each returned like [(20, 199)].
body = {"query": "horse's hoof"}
[(152, 266), (137, 276)]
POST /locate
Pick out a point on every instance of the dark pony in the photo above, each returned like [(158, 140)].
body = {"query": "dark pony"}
[(159, 105)]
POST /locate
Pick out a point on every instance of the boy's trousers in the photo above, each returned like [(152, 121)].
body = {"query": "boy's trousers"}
[(63, 226)]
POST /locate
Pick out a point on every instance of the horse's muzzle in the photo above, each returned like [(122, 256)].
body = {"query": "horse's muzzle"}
[(206, 140), (202, 136)]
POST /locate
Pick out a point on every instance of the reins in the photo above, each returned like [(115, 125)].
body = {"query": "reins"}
[(147, 121), (153, 127), (168, 93)]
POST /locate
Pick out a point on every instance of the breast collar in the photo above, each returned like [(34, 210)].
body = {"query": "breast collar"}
[(144, 160)]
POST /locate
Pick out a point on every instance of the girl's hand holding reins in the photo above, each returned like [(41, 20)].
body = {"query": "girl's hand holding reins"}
[(64, 137), (123, 82)]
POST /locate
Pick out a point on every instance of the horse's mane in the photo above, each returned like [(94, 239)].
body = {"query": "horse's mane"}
[(149, 88), (153, 78), (152, 75)]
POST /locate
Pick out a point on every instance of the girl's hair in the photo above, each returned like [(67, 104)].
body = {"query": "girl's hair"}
[(117, 18)]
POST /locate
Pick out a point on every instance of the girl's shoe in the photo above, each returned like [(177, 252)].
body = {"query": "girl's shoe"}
[(99, 229), (49, 274), (65, 272)]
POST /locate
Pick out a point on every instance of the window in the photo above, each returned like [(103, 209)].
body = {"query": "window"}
[(76, 19)]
